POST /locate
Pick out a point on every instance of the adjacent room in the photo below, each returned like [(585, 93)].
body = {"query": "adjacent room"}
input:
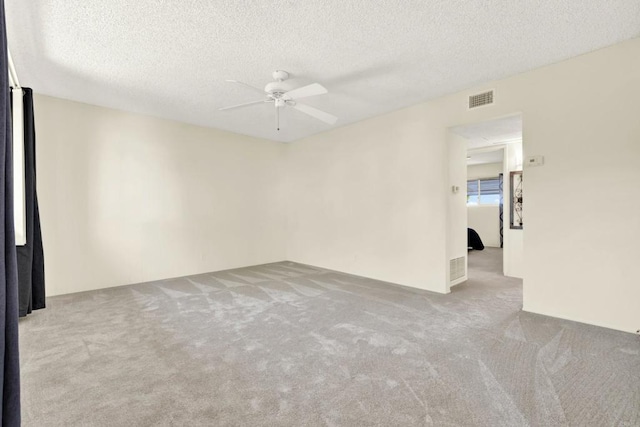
[(494, 170), (321, 213)]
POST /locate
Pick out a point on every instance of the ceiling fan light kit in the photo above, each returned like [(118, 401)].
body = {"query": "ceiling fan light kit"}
[(281, 94)]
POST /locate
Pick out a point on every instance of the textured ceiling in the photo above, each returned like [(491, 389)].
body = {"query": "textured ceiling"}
[(170, 58), (485, 140), (489, 133), (485, 157)]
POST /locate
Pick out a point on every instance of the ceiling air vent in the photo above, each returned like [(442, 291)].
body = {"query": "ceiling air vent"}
[(481, 99)]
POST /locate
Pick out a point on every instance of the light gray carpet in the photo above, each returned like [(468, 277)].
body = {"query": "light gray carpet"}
[(291, 345)]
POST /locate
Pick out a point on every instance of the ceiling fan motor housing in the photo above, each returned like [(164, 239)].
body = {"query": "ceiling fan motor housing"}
[(278, 87)]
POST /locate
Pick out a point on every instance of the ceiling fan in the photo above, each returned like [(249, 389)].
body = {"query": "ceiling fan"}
[(281, 94)]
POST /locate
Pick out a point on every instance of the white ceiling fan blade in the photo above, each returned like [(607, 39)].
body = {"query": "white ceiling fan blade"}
[(318, 114), (304, 91), (247, 85), (242, 105)]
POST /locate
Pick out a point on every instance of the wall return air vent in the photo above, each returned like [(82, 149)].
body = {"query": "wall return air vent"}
[(456, 268), (481, 99)]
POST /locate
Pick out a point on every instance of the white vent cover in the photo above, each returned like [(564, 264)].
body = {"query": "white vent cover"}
[(480, 99), (456, 268)]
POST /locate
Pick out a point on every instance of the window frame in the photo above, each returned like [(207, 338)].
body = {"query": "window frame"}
[(478, 182)]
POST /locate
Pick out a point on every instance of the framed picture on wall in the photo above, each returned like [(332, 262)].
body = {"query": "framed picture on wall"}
[(516, 200)]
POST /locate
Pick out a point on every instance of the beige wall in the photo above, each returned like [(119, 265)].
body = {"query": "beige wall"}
[(126, 198), (485, 220), (488, 170), (513, 260), (370, 198), (457, 241)]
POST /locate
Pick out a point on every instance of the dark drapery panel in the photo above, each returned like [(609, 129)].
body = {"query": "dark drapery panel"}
[(30, 256), (501, 209), (10, 371)]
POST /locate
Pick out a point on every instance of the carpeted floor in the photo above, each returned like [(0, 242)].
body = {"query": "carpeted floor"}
[(291, 345)]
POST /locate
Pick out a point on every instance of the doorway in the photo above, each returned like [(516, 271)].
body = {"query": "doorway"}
[(493, 152)]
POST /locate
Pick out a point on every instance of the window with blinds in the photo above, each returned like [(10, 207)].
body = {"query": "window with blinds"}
[(483, 191)]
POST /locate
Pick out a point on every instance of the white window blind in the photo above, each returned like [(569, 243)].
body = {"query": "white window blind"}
[(483, 191)]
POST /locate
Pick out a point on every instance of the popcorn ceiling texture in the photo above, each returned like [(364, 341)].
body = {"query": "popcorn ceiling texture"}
[(170, 59)]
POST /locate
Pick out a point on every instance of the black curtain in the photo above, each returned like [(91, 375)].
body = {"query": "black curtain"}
[(8, 269), (30, 256), (501, 209)]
